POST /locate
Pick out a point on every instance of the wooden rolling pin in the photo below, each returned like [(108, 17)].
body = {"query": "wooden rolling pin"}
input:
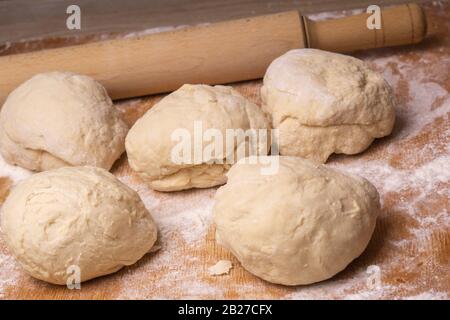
[(216, 53)]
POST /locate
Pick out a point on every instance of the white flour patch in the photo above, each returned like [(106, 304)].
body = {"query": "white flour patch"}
[(424, 180), (388, 179), (352, 288), (182, 273), (145, 32), (334, 14), (429, 295), (137, 34), (9, 271), (418, 111), (187, 214)]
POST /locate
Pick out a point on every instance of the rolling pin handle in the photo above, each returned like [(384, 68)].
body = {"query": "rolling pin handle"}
[(400, 25)]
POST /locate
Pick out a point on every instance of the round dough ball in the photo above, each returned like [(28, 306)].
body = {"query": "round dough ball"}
[(60, 119), (80, 216), (303, 224), (150, 143), (324, 103)]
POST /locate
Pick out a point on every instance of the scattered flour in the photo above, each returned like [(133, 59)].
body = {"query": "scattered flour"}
[(145, 32), (190, 216), (429, 295), (334, 14), (9, 272), (189, 213), (186, 214)]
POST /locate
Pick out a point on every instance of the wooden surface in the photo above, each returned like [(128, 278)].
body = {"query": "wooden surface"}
[(410, 168)]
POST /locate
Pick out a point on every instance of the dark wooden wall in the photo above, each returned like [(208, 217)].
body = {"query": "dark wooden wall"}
[(27, 19)]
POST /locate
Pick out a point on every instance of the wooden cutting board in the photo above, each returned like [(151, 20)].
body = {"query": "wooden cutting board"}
[(409, 254)]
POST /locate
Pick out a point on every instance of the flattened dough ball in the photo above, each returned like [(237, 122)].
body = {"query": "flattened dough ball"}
[(75, 216), (61, 119), (303, 224), (195, 110), (324, 103)]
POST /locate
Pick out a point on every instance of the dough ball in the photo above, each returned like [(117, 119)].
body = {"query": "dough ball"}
[(150, 143), (80, 216), (303, 224), (324, 103), (60, 119)]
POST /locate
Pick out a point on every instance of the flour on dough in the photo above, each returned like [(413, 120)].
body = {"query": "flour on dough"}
[(324, 103), (59, 119)]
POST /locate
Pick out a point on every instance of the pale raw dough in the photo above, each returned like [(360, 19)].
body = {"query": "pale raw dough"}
[(80, 216), (324, 103), (60, 119), (301, 225), (149, 142)]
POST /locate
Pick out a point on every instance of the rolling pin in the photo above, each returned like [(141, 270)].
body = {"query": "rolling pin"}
[(217, 53)]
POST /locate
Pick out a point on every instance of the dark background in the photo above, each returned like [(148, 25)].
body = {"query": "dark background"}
[(28, 19)]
